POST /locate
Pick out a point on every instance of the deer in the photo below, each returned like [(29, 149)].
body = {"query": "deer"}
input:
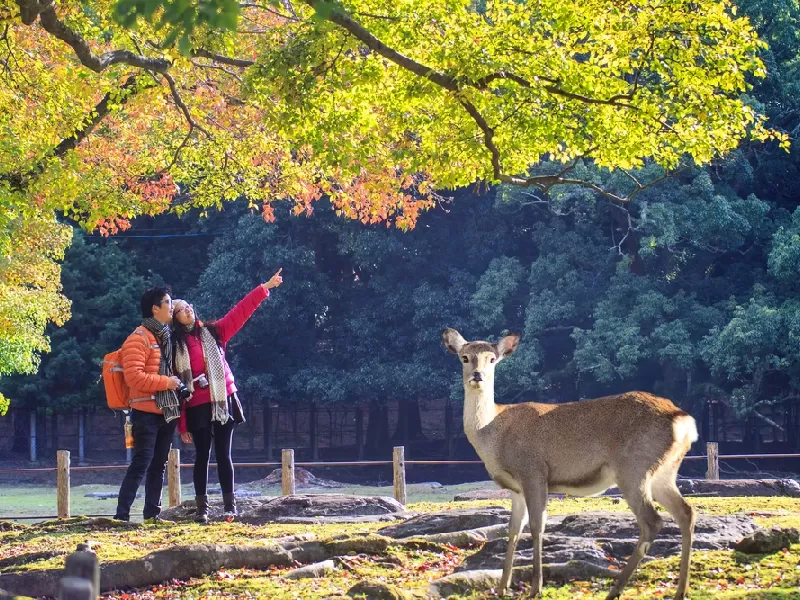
[(633, 440)]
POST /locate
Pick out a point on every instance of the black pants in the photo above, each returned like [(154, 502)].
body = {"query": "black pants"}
[(152, 439), (222, 437)]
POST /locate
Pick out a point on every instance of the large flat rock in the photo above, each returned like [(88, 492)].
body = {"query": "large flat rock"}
[(702, 487), (302, 508), (447, 522), (607, 539)]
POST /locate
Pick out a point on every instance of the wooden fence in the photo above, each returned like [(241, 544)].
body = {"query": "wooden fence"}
[(288, 464)]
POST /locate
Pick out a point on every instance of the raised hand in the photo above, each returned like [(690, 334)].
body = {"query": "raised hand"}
[(274, 281)]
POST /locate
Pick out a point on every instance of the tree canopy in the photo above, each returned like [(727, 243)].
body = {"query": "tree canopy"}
[(374, 105)]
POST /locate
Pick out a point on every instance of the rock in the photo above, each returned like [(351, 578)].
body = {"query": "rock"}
[(465, 582), (11, 526), (319, 569), (746, 487), (431, 484), (376, 591), (302, 479), (698, 487), (766, 541), (447, 521), (463, 539), (483, 494), (607, 539), (105, 495), (301, 508)]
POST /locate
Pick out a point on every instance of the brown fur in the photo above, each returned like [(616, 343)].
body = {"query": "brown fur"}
[(633, 440)]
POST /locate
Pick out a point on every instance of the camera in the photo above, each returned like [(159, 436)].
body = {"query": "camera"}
[(183, 392)]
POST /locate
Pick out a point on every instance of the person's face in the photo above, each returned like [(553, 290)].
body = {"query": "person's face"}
[(162, 312), (183, 312)]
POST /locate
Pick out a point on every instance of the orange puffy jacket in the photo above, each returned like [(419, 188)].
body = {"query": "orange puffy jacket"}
[(141, 359)]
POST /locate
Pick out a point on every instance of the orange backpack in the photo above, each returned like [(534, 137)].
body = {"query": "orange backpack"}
[(117, 391)]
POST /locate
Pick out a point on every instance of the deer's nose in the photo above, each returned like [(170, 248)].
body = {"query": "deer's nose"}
[(476, 376)]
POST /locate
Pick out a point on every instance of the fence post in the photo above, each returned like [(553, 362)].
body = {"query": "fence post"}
[(62, 484), (174, 477), (75, 588), (399, 474), (712, 452), (287, 472), (82, 565)]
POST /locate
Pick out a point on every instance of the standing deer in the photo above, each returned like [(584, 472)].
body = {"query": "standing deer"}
[(634, 440)]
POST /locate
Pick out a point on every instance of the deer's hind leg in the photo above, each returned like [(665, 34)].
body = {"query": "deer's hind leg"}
[(638, 493), (666, 493)]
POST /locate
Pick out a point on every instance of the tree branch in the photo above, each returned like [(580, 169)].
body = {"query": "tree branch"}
[(98, 113), (30, 9), (221, 58), (340, 17), (173, 88)]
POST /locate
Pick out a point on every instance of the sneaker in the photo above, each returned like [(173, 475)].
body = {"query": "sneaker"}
[(158, 521)]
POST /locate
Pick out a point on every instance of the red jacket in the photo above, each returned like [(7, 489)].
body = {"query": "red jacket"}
[(227, 327)]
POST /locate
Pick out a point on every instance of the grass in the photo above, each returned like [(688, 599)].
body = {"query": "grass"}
[(715, 575), (40, 500)]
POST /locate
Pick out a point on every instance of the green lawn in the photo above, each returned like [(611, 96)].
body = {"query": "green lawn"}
[(29, 501)]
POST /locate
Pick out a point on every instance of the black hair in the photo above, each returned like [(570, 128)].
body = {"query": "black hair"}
[(180, 332), (153, 297)]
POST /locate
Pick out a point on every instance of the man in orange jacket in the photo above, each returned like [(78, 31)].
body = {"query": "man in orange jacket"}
[(147, 365)]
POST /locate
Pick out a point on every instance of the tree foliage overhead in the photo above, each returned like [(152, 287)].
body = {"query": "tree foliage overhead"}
[(372, 104)]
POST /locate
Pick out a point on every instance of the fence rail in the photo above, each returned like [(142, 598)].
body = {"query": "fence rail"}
[(288, 465)]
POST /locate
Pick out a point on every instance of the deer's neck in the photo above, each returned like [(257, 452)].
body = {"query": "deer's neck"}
[(479, 410)]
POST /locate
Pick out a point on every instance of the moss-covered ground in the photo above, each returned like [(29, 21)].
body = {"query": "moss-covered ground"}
[(715, 575)]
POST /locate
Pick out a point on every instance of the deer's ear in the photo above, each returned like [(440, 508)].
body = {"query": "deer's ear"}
[(452, 340), (507, 345)]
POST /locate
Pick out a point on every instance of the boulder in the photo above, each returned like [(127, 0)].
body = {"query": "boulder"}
[(447, 522), (302, 479), (301, 508), (698, 487), (315, 570), (607, 539), (372, 590), (766, 541)]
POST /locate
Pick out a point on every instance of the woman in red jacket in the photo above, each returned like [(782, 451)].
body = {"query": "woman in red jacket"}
[(213, 409)]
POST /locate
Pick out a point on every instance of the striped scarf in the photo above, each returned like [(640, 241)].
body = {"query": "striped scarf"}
[(166, 400), (213, 368)]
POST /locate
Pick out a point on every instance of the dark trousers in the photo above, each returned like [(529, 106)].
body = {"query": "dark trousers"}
[(221, 436), (152, 439)]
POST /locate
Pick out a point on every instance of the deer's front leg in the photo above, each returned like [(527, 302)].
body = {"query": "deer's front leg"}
[(519, 517), (536, 497)]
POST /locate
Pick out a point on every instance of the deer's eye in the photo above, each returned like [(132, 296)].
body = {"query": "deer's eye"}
[(465, 360), (493, 359)]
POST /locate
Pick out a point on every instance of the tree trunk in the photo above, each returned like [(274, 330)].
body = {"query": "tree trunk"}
[(448, 429), (52, 439), (266, 424), (359, 432), (21, 427), (378, 441), (409, 423), (313, 432)]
